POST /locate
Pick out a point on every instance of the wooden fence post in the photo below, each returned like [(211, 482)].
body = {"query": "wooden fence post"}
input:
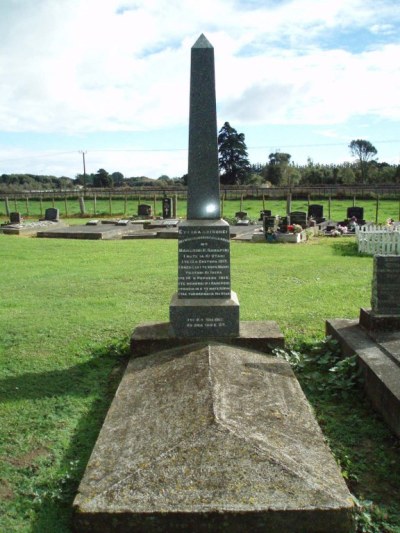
[(7, 206), (66, 204)]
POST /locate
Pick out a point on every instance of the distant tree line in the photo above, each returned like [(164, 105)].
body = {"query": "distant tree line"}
[(236, 169), (101, 179), (280, 171)]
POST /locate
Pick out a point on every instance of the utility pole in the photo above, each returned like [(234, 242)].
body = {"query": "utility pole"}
[(84, 169)]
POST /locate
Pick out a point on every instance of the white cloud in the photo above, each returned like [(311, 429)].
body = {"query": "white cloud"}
[(80, 66)]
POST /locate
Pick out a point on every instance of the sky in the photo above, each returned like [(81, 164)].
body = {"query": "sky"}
[(110, 79)]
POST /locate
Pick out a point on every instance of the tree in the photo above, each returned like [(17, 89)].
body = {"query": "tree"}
[(363, 151), (102, 179), (277, 170), (232, 155), (117, 179)]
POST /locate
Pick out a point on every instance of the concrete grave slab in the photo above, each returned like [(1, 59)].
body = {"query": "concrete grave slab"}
[(378, 353), (102, 231), (30, 229), (211, 437), (152, 337)]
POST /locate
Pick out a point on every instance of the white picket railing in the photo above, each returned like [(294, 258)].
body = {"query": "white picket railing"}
[(375, 239)]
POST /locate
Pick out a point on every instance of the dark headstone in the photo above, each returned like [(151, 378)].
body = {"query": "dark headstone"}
[(357, 212), (144, 210), (15, 217), (299, 217), (167, 207), (316, 211), (385, 297), (52, 214), (283, 224), (204, 305), (265, 213), (270, 223), (241, 215), (203, 174)]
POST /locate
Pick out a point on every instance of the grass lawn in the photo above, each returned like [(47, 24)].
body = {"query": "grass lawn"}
[(68, 308)]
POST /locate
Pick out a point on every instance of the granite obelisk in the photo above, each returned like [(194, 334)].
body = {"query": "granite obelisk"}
[(203, 174), (204, 305)]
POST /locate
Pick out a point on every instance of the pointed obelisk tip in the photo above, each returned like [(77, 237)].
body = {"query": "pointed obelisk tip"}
[(202, 42)]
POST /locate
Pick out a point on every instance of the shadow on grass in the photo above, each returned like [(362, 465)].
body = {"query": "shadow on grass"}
[(345, 247), (99, 377)]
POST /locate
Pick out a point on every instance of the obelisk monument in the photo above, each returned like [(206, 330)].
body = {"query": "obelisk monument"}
[(204, 305)]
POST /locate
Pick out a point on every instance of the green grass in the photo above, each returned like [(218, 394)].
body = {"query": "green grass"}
[(118, 207), (68, 309)]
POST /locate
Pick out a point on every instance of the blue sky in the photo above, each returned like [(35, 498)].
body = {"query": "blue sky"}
[(111, 78)]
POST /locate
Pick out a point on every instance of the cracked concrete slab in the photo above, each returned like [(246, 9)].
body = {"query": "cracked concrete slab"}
[(211, 437)]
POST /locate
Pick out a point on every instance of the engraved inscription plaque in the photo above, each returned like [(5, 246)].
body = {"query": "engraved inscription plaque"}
[(204, 262)]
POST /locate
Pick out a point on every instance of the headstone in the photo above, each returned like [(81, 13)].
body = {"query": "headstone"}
[(203, 172), (167, 207), (15, 217), (264, 213), (204, 305), (209, 436), (385, 297), (270, 223), (357, 212), (241, 215), (52, 214), (283, 224), (299, 217), (144, 210), (316, 211)]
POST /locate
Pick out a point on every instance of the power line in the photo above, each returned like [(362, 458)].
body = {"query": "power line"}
[(150, 150)]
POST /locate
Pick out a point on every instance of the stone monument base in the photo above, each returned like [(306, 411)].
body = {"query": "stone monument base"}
[(204, 317), (378, 356), (210, 437), (372, 321), (262, 336)]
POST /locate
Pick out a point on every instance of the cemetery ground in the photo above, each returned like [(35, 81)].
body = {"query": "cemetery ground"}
[(120, 206), (68, 309)]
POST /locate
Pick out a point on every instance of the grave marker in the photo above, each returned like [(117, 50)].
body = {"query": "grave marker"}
[(204, 305), (52, 214), (144, 210), (167, 207), (385, 296), (15, 217)]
